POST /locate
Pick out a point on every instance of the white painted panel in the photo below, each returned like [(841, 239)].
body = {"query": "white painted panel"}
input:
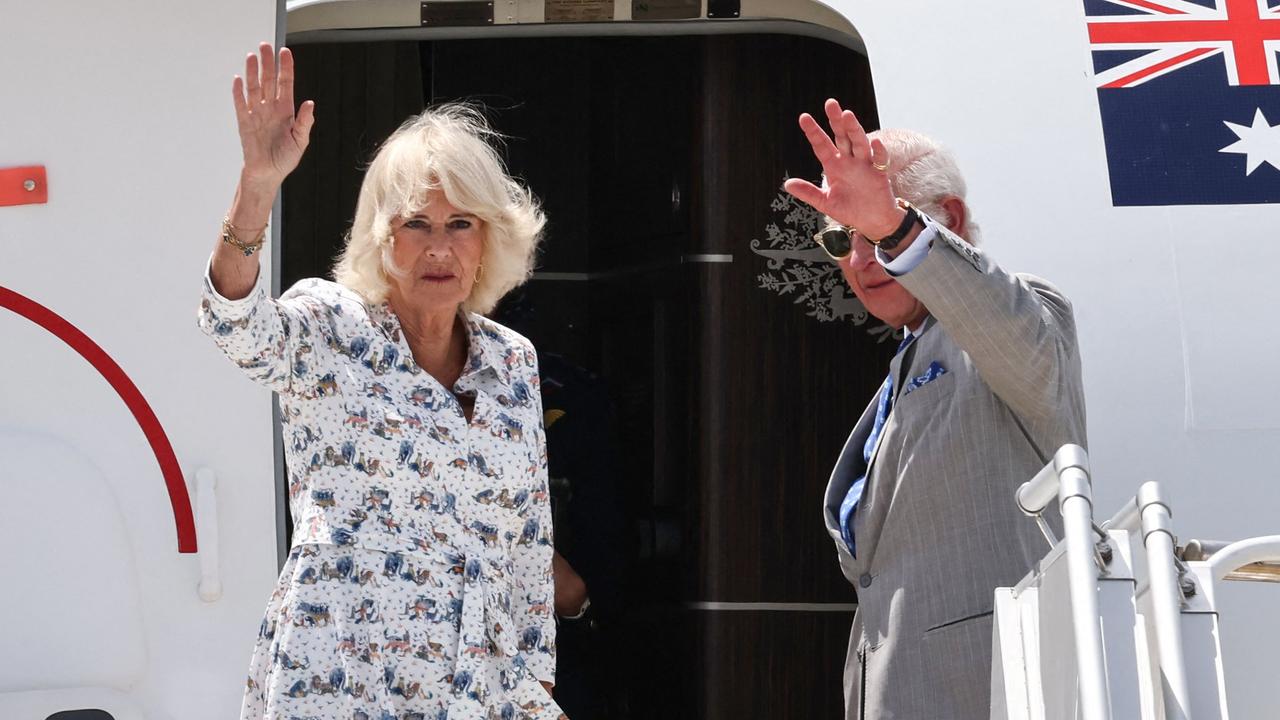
[(75, 614), (128, 105), (1231, 369), (41, 704)]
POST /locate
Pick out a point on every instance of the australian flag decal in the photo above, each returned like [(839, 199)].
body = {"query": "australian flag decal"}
[(1189, 92)]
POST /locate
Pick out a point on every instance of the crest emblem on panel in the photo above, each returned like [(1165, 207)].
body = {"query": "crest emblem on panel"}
[(798, 269)]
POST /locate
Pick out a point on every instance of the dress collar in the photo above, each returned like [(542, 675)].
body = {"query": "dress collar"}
[(485, 347)]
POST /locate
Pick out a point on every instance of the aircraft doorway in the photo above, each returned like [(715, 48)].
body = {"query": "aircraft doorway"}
[(705, 369)]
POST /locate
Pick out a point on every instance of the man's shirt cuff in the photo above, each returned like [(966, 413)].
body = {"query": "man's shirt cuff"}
[(913, 255)]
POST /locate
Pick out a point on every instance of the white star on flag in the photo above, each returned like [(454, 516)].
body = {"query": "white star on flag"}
[(1259, 143)]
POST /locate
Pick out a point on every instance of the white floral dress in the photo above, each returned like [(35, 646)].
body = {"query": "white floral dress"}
[(419, 584)]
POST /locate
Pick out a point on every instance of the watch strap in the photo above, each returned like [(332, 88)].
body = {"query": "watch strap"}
[(893, 239)]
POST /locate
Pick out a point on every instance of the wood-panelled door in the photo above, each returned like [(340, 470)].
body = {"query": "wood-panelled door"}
[(713, 360)]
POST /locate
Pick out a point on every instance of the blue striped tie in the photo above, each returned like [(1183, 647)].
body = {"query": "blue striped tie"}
[(855, 490)]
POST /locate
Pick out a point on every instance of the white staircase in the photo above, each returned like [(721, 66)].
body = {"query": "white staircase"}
[(1117, 621)]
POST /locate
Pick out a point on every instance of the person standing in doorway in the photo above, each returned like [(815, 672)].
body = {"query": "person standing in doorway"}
[(985, 387)]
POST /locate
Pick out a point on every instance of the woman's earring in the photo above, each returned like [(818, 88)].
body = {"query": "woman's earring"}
[(479, 273)]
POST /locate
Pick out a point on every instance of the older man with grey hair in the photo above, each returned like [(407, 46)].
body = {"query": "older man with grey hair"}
[(984, 388)]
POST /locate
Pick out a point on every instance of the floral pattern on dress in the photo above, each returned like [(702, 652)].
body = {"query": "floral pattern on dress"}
[(419, 584)]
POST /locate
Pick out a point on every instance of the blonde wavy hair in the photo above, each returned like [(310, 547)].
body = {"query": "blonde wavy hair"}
[(448, 148)]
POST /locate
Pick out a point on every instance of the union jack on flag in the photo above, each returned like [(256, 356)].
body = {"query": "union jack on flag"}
[(1188, 90)]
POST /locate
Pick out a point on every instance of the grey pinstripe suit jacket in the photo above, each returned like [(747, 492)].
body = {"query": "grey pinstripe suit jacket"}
[(937, 529)]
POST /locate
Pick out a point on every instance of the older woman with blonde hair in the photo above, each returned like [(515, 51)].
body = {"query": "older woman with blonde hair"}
[(419, 584)]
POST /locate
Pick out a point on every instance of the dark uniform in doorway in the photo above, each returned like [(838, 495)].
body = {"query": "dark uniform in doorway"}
[(589, 528)]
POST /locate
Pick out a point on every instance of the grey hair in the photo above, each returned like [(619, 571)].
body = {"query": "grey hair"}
[(448, 148), (925, 173)]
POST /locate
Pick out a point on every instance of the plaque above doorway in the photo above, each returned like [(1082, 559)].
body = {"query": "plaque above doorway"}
[(579, 10), (665, 9)]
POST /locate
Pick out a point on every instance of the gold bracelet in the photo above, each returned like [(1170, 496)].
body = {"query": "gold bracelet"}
[(248, 248)]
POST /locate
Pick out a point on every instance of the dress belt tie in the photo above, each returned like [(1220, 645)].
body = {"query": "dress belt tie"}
[(486, 627)]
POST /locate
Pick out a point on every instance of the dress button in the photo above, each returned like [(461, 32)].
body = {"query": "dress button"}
[(865, 580)]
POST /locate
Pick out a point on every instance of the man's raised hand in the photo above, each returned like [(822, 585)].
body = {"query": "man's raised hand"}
[(856, 190)]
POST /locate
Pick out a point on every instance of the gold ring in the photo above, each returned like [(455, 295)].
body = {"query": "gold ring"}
[(880, 167)]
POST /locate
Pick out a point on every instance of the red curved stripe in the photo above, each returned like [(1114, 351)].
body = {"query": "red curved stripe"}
[(147, 420)]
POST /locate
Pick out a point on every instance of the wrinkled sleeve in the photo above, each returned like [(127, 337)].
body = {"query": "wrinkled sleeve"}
[(1018, 330), (273, 341), (534, 602)]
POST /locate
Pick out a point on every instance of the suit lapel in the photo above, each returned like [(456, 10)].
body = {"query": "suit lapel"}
[(868, 531), (903, 363), (850, 464), (848, 468), (898, 367)]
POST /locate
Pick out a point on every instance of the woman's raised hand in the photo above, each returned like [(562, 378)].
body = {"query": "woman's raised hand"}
[(271, 136)]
